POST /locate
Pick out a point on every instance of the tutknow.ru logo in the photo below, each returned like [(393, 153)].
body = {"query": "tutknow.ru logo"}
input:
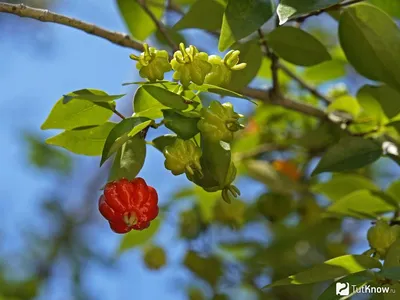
[(343, 289)]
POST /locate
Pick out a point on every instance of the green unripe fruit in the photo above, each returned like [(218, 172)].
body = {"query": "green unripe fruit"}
[(152, 63), (221, 72), (232, 214), (275, 207), (154, 258), (219, 122), (190, 65), (381, 236), (190, 224), (220, 297), (196, 294), (183, 157)]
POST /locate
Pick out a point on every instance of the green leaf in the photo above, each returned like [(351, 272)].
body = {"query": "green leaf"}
[(217, 90), (241, 18), (331, 269), (183, 124), (251, 54), (343, 184), (394, 190), (145, 105), (347, 104), (194, 18), (372, 108), (293, 8), (297, 46), (206, 202), (392, 273), (378, 40), (388, 98), (392, 258), (136, 238), (166, 97), (120, 134), (129, 159), (360, 203), (326, 71), (139, 23), (76, 113), (90, 95), (176, 37), (390, 6), (357, 279), (162, 141), (348, 154), (87, 140)]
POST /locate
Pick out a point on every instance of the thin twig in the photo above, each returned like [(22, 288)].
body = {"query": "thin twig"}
[(304, 84), (160, 26), (45, 15), (330, 8), (274, 62), (119, 114)]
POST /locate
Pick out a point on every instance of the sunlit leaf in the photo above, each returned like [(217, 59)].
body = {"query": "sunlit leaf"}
[(297, 46), (87, 141), (331, 269)]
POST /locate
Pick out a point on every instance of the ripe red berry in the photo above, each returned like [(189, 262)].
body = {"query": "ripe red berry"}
[(128, 204)]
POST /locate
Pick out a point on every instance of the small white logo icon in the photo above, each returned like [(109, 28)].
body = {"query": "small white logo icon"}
[(342, 289)]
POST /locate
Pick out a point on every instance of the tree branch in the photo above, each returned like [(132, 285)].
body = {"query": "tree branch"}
[(45, 15), (125, 41), (330, 8), (304, 84), (160, 26)]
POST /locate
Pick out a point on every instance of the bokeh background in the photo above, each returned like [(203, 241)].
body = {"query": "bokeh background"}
[(50, 229)]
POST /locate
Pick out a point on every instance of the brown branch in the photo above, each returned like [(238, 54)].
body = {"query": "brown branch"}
[(330, 8), (125, 41), (45, 15), (274, 62), (304, 84), (160, 26)]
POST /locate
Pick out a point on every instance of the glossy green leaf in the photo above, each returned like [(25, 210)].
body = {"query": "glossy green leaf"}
[(183, 124), (166, 97), (241, 18), (378, 40), (137, 238), (343, 184), (388, 98), (297, 46), (357, 280), (293, 8), (217, 156), (91, 95), (326, 71), (346, 104), (392, 273), (360, 203), (331, 269), (394, 190), (217, 90), (76, 113), (87, 140), (392, 258), (194, 18), (348, 154), (129, 159), (251, 54), (120, 134), (145, 105), (371, 106), (390, 6), (175, 36), (139, 23), (164, 140)]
